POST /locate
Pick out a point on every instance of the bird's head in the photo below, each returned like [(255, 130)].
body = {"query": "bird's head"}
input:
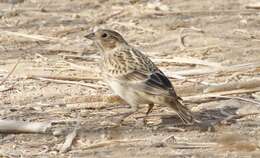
[(106, 39)]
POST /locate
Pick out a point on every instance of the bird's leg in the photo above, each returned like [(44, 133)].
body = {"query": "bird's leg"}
[(150, 108)]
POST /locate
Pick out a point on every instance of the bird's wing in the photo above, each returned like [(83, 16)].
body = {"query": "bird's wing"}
[(155, 83)]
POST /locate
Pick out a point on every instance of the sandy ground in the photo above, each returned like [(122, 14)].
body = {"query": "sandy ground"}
[(46, 38)]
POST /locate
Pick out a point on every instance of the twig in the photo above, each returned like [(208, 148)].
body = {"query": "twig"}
[(75, 66), (181, 37), (234, 85), (70, 138), (79, 57), (253, 6), (34, 37), (192, 145), (189, 60), (168, 115), (210, 95), (204, 12), (67, 82), (4, 89), (189, 79), (197, 71), (239, 98), (111, 142), (177, 129), (10, 73), (63, 78), (12, 126), (231, 68)]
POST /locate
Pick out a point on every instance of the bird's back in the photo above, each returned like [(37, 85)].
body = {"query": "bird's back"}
[(125, 60)]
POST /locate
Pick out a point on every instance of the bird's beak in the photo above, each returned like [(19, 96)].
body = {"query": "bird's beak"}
[(90, 36)]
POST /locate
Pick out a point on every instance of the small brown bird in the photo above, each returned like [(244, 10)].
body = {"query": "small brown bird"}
[(134, 77)]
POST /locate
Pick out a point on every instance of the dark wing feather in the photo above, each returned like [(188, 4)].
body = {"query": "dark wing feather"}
[(155, 83), (159, 80)]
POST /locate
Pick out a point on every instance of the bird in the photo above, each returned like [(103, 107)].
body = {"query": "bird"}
[(132, 76)]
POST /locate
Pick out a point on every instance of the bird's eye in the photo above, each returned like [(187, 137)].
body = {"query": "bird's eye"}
[(104, 35)]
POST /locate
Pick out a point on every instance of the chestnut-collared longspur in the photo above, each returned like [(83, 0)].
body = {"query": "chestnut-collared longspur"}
[(134, 77)]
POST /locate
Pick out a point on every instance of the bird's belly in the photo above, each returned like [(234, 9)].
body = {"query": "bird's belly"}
[(127, 93)]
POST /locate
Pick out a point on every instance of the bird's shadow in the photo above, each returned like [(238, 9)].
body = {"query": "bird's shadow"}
[(206, 120)]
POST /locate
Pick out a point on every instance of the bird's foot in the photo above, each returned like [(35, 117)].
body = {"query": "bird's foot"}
[(150, 108)]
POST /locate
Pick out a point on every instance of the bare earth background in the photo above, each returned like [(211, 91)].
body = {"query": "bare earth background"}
[(45, 38)]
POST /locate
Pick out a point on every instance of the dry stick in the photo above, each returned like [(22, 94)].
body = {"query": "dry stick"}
[(79, 57), (174, 76), (168, 115), (70, 138), (234, 85), (175, 145), (63, 78), (75, 66), (203, 71), (197, 71), (204, 13), (12, 126), (68, 141), (94, 86), (181, 37), (10, 73), (4, 89), (253, 6), (209, 95), (238, 98), (110, 142), (189, 60), (34, 37), (192, 145)]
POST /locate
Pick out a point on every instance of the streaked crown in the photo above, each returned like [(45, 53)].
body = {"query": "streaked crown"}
[(107, 39)]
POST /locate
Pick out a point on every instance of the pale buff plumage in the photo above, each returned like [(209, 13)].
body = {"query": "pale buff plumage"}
[(134, 77)]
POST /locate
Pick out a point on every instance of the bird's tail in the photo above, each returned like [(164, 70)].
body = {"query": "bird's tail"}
[(183, 111)]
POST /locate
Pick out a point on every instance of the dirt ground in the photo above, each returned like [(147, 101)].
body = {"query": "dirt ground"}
[(198, 44)]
